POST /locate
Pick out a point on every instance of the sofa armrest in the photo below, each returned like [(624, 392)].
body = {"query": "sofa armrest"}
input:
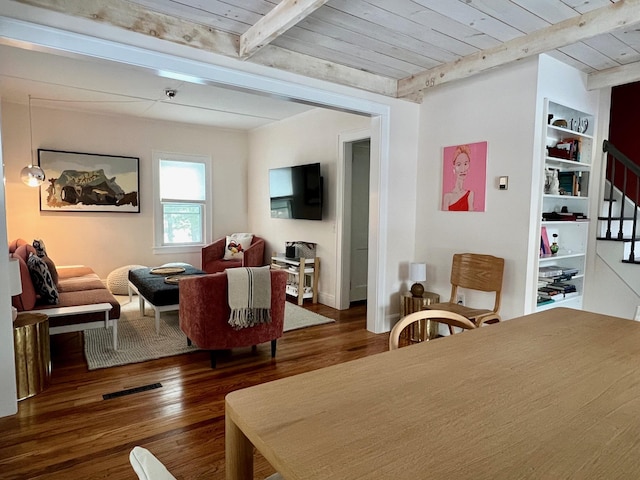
[(254, 255), (213, 252)]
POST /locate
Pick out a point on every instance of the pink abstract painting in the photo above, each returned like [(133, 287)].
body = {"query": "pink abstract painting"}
[(464, 177)]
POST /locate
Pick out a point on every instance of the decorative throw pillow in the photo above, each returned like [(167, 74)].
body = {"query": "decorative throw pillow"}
[(237, 243), (42, 281), (41, 250), (52, 269)]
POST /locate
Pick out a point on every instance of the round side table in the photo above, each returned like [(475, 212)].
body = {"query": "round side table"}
[(424, 329), (32, 354)]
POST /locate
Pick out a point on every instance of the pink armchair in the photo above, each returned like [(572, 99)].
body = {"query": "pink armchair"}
[(204, 314), (213, 256)]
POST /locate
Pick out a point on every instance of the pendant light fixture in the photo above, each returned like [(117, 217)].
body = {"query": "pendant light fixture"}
[(32, 175)]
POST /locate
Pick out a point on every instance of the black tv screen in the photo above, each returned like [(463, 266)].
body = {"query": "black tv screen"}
[(296, 192)]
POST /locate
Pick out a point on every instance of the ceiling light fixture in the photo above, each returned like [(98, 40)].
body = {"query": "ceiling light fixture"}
[(32, 175)]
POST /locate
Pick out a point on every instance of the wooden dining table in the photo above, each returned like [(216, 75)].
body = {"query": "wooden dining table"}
[(552, 395)]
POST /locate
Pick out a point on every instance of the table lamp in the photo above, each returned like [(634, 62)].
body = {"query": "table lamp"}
[(15, 284), (417, 273)]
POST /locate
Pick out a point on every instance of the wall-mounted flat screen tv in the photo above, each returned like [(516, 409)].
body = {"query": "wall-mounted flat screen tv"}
[(296, 192)]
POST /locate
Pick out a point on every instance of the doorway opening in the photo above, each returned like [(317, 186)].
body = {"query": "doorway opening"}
[(359, 244), (353, 266)]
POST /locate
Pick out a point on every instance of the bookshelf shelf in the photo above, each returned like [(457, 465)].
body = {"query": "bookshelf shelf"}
[(566, 131), (570, 195), (565, 197), (299, 285), (567, 165), (560, 256)]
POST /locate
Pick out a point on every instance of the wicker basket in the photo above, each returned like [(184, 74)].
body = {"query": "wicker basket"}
[(303, 249)]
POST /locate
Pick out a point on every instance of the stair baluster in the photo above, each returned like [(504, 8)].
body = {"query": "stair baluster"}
[(632, 256), (631, 172), (622, 202), (610, 214)]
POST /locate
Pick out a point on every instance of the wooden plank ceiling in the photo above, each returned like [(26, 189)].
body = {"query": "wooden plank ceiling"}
[(399, 48)]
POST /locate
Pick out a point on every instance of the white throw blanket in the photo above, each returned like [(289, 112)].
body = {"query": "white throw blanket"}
[(249, 296)]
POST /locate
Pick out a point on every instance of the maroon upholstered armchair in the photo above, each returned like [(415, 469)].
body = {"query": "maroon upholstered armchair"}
[(204, 314), (213, 256)]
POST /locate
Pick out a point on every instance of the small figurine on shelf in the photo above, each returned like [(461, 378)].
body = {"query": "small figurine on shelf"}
[(554, 246)]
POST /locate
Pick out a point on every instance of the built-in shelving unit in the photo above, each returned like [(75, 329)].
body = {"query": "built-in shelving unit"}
[(300, 284), (564, 207)]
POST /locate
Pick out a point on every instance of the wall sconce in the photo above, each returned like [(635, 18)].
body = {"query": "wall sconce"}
[(15, 283), (32, 175), (417, 273)]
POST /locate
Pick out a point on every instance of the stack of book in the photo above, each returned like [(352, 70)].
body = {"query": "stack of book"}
[(569, 272), (543, 301), (557, 291), (570, 183), (549, 271)]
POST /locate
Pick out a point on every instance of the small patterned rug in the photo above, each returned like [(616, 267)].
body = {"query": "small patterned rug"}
[(138, 342)]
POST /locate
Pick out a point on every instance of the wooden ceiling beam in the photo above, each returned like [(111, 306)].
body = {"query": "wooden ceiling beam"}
[(139, 19), (136, 18), (614, 76), (573, 30), (284, 16)]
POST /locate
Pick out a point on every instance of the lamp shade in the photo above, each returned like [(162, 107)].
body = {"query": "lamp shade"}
[(32, 176), (15, 285), (418, 272)]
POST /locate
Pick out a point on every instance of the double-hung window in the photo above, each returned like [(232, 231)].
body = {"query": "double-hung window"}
[(182, 199)]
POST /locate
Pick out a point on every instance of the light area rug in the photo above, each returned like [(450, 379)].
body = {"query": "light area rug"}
[(138, 342)]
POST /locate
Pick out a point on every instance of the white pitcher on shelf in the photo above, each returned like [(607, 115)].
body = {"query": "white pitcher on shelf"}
[(552, 183)]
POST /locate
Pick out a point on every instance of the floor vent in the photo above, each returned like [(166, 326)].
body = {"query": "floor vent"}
[(130, 391)]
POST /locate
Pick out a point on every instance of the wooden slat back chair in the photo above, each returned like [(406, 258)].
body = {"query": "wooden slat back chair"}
[(441, 316), (474, 271)]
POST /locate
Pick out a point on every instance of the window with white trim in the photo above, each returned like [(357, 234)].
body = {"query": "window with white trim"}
[(182, 199)]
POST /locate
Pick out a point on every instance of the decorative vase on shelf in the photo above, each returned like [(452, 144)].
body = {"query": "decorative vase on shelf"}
[(554, 246)]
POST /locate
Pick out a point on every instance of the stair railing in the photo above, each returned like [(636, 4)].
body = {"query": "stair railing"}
[(617, 159)]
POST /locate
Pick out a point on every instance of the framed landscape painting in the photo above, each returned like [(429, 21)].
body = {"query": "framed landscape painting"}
[(88, 182)]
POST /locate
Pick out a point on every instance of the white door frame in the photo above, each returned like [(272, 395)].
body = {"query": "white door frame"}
[(25, 34), (343, 215)]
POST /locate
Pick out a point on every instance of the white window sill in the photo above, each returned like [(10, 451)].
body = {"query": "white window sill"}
[(170, 249)]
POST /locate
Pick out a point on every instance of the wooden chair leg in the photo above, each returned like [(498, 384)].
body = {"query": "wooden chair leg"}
[(273, 348), (212, 354)]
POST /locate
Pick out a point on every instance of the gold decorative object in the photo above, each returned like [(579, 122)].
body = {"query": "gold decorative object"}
[(32, 354)]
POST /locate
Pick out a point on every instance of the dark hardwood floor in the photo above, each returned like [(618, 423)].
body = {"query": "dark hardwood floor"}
[(69, 431)]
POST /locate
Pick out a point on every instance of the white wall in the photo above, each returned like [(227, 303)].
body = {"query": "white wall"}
[(105, 241), (8, 393), (307, 138), (497, 107)]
